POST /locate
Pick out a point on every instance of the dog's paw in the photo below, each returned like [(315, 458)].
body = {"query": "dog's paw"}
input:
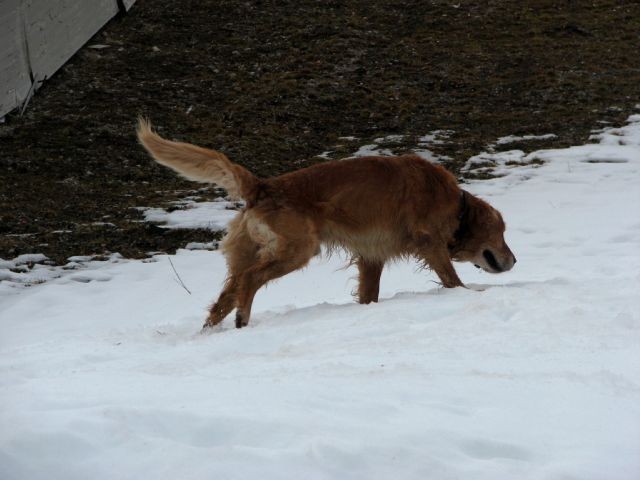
[(206, 328), (209, 326), (240, 320)]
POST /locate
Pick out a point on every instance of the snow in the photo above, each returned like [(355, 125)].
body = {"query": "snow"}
[(326, 155), (206, 215), (428, 155), (389, 139), (616, 145), (371, 149), (521, 138), (535, 377), (436, 137), (29, 258)]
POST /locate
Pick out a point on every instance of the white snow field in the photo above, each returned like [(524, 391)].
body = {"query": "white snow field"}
[(536, 377)]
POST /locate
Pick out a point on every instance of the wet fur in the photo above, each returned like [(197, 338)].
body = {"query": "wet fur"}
[(376, 208)]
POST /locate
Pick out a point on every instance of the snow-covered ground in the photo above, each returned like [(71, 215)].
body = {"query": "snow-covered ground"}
[(208, 215), (536, 377)]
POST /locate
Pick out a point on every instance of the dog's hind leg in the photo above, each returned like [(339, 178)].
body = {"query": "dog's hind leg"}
[(225, 303), (294, 256), (290, 244), (369, 280), (240, 252)]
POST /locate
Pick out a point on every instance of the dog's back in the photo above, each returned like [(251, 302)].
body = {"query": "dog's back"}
[(372, 205)]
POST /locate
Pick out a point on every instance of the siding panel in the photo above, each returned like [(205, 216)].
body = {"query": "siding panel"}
[(14, 70), (38, 36)]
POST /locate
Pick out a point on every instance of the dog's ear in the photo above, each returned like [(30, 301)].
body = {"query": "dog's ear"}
[(464, 218), (472, 215)]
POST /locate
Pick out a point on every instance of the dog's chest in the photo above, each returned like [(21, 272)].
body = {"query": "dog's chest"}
[(374, 244)]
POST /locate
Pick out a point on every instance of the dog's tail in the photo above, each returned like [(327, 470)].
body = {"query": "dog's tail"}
[(197, 163)]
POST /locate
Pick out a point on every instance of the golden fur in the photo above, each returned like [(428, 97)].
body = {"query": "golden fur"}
[(376, 208)]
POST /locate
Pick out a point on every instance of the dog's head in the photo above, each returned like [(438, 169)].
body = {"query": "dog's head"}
[(479, 238)]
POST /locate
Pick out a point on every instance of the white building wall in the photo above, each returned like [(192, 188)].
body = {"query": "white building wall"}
[(38, 36)]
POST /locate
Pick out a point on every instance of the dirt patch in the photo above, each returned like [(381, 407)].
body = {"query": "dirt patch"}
[(273, 84)]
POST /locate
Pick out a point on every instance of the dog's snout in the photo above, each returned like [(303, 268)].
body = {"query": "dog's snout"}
[(510, 262), (510, 258), (498, 260)]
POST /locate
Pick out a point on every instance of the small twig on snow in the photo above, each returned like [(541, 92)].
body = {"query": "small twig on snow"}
[(178, 276)]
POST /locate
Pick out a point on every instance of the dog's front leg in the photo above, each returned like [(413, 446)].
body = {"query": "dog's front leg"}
[(369, 280), (438, 260)]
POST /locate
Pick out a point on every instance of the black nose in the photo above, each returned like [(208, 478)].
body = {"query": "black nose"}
[(515, 260)]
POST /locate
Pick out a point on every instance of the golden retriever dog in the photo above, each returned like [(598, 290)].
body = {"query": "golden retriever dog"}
[(377, 208)]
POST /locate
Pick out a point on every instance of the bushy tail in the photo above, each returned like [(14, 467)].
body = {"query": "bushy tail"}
[(197, 163)]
